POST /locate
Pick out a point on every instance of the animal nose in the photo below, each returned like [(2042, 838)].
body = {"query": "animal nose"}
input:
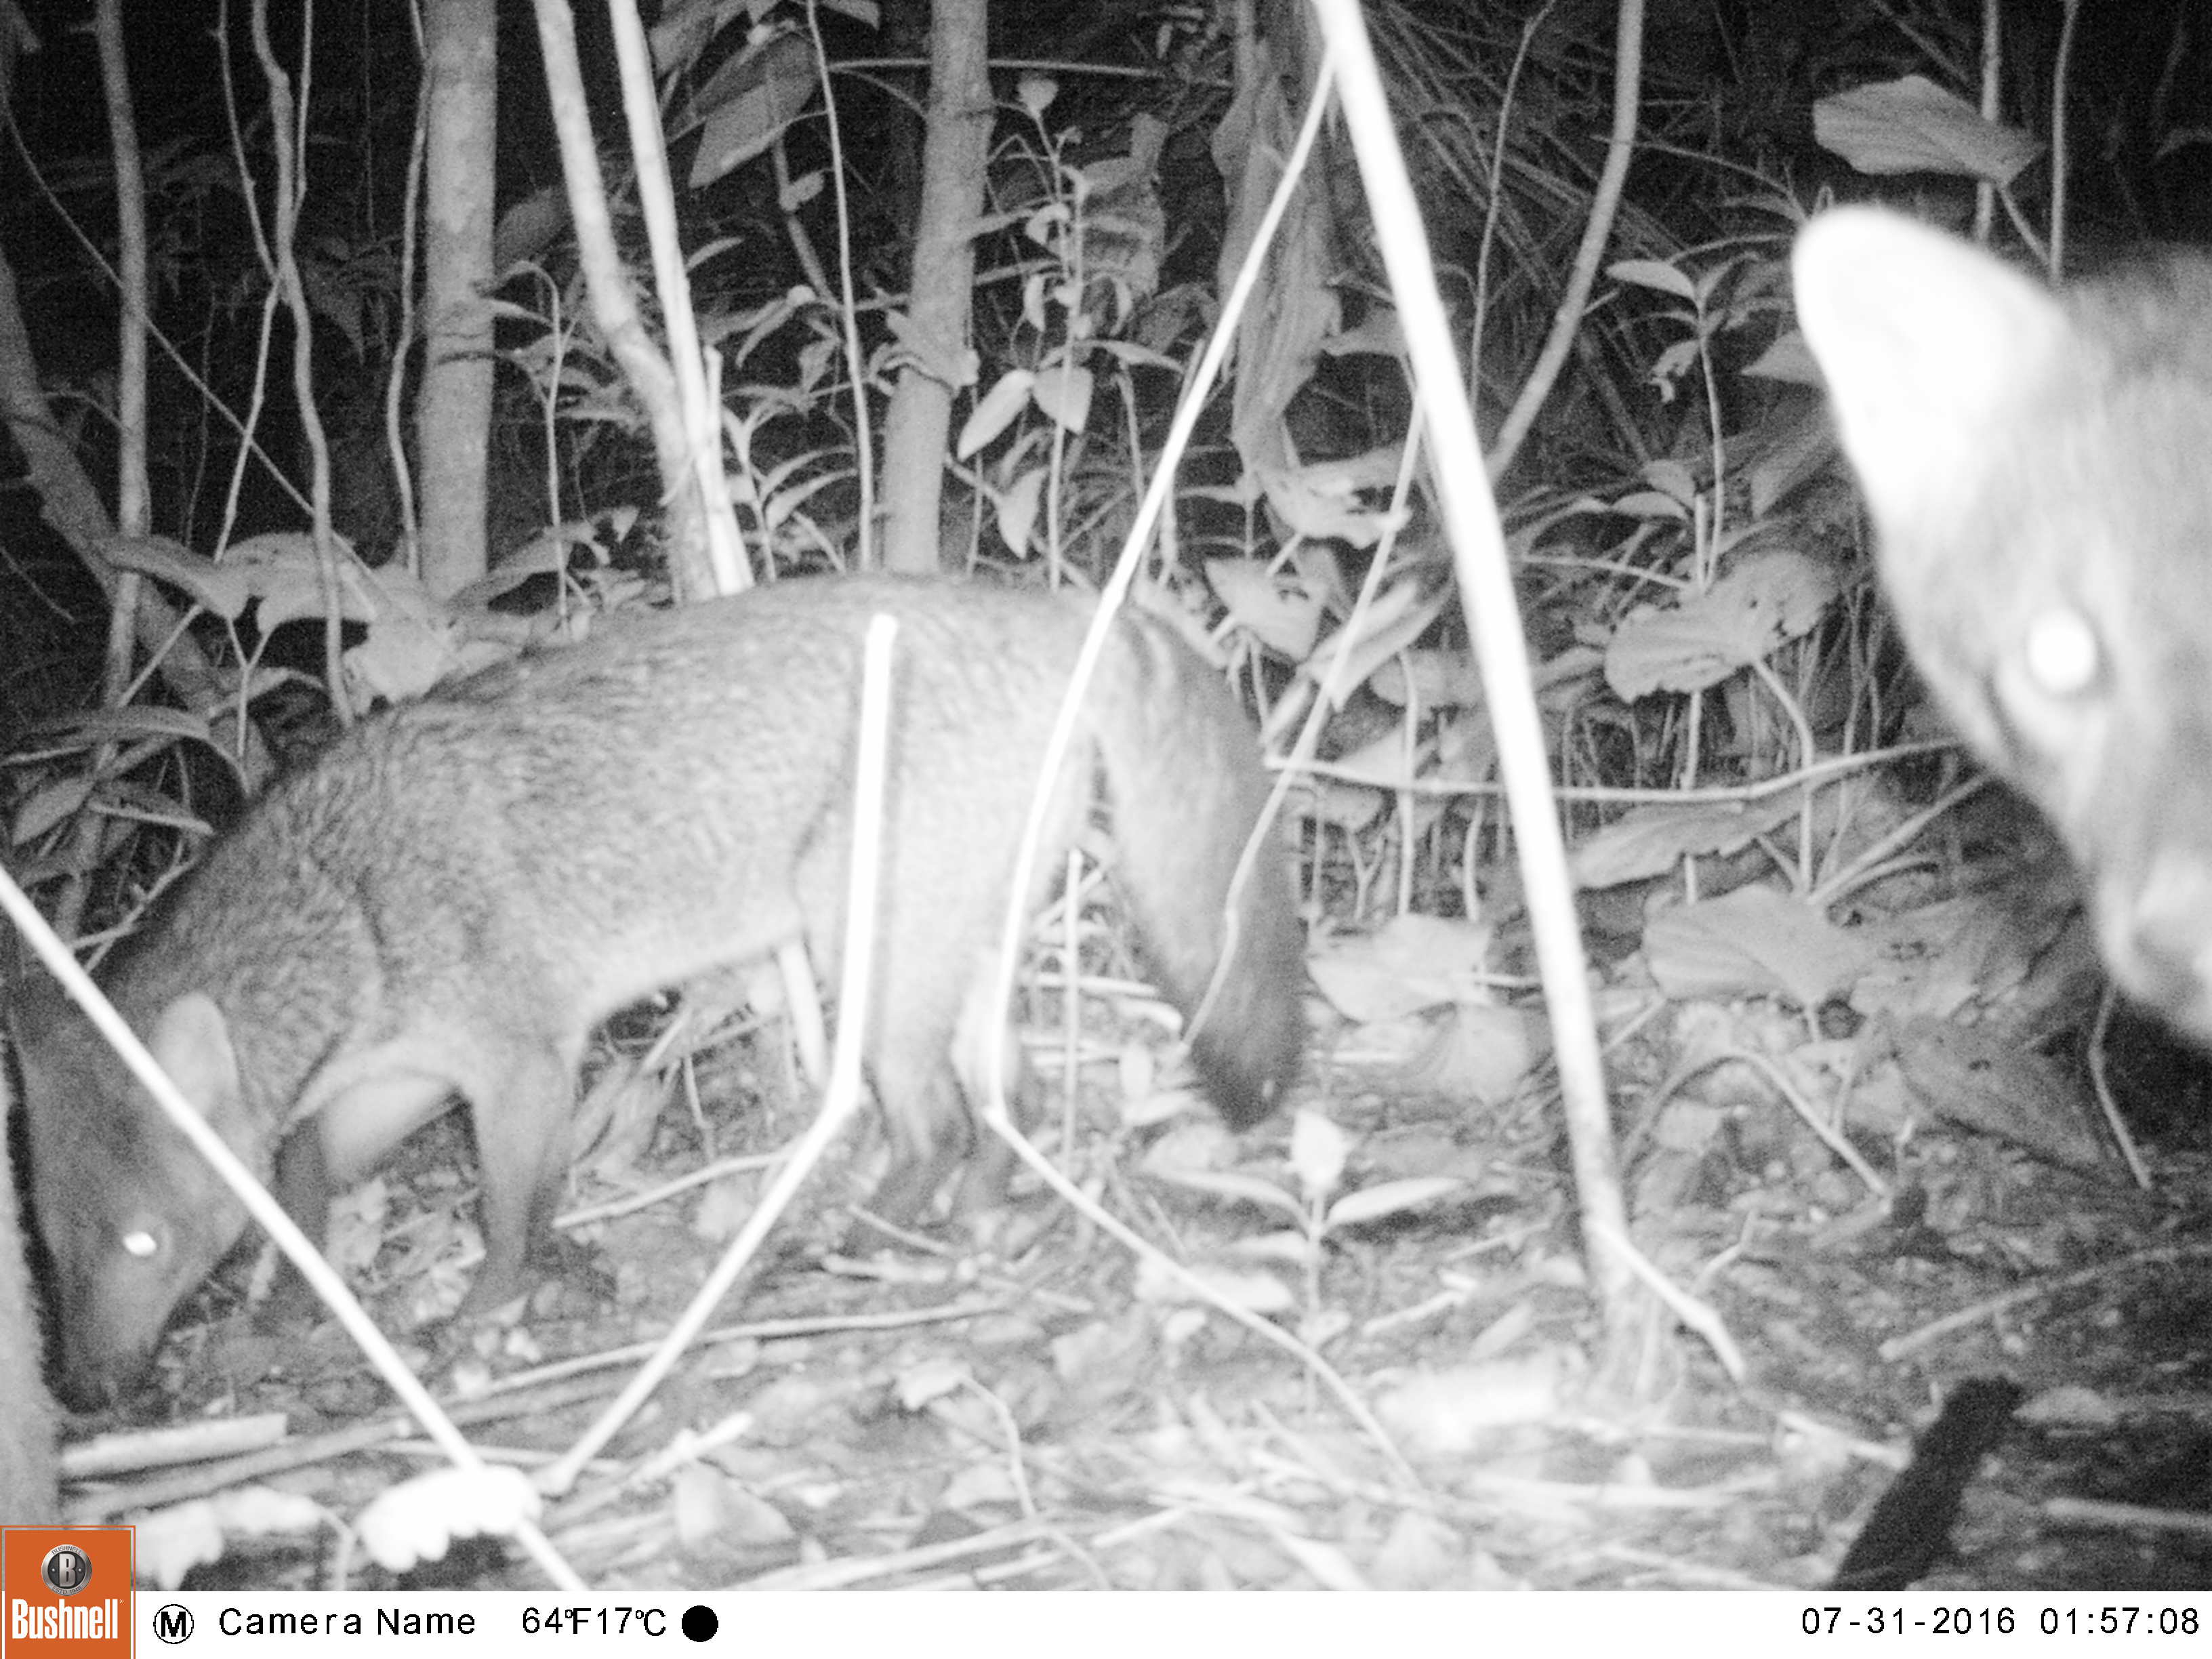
[(2159, 941)]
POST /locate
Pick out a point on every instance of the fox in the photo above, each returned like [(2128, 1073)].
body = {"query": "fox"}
[(446, 902), (2035, 463)]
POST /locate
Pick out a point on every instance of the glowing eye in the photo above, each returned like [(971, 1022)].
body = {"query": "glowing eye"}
[(141, 1245), (2061, 653)]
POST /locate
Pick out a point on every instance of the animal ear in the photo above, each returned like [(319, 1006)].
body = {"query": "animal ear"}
[(1926, 343), (193, 1042)]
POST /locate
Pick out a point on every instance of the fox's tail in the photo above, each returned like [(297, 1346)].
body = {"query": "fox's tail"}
[(1186, 785)]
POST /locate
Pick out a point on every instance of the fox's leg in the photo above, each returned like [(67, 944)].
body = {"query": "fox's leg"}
[(302, 1186), (520, 1107)]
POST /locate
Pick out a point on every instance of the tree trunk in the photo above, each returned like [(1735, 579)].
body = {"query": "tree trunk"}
[(453, 415), (953, 155)]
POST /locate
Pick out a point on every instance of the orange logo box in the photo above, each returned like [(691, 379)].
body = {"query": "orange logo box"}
[(65, 1592)]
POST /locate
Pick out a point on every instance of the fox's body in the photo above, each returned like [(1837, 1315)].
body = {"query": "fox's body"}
[(452, 897)]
